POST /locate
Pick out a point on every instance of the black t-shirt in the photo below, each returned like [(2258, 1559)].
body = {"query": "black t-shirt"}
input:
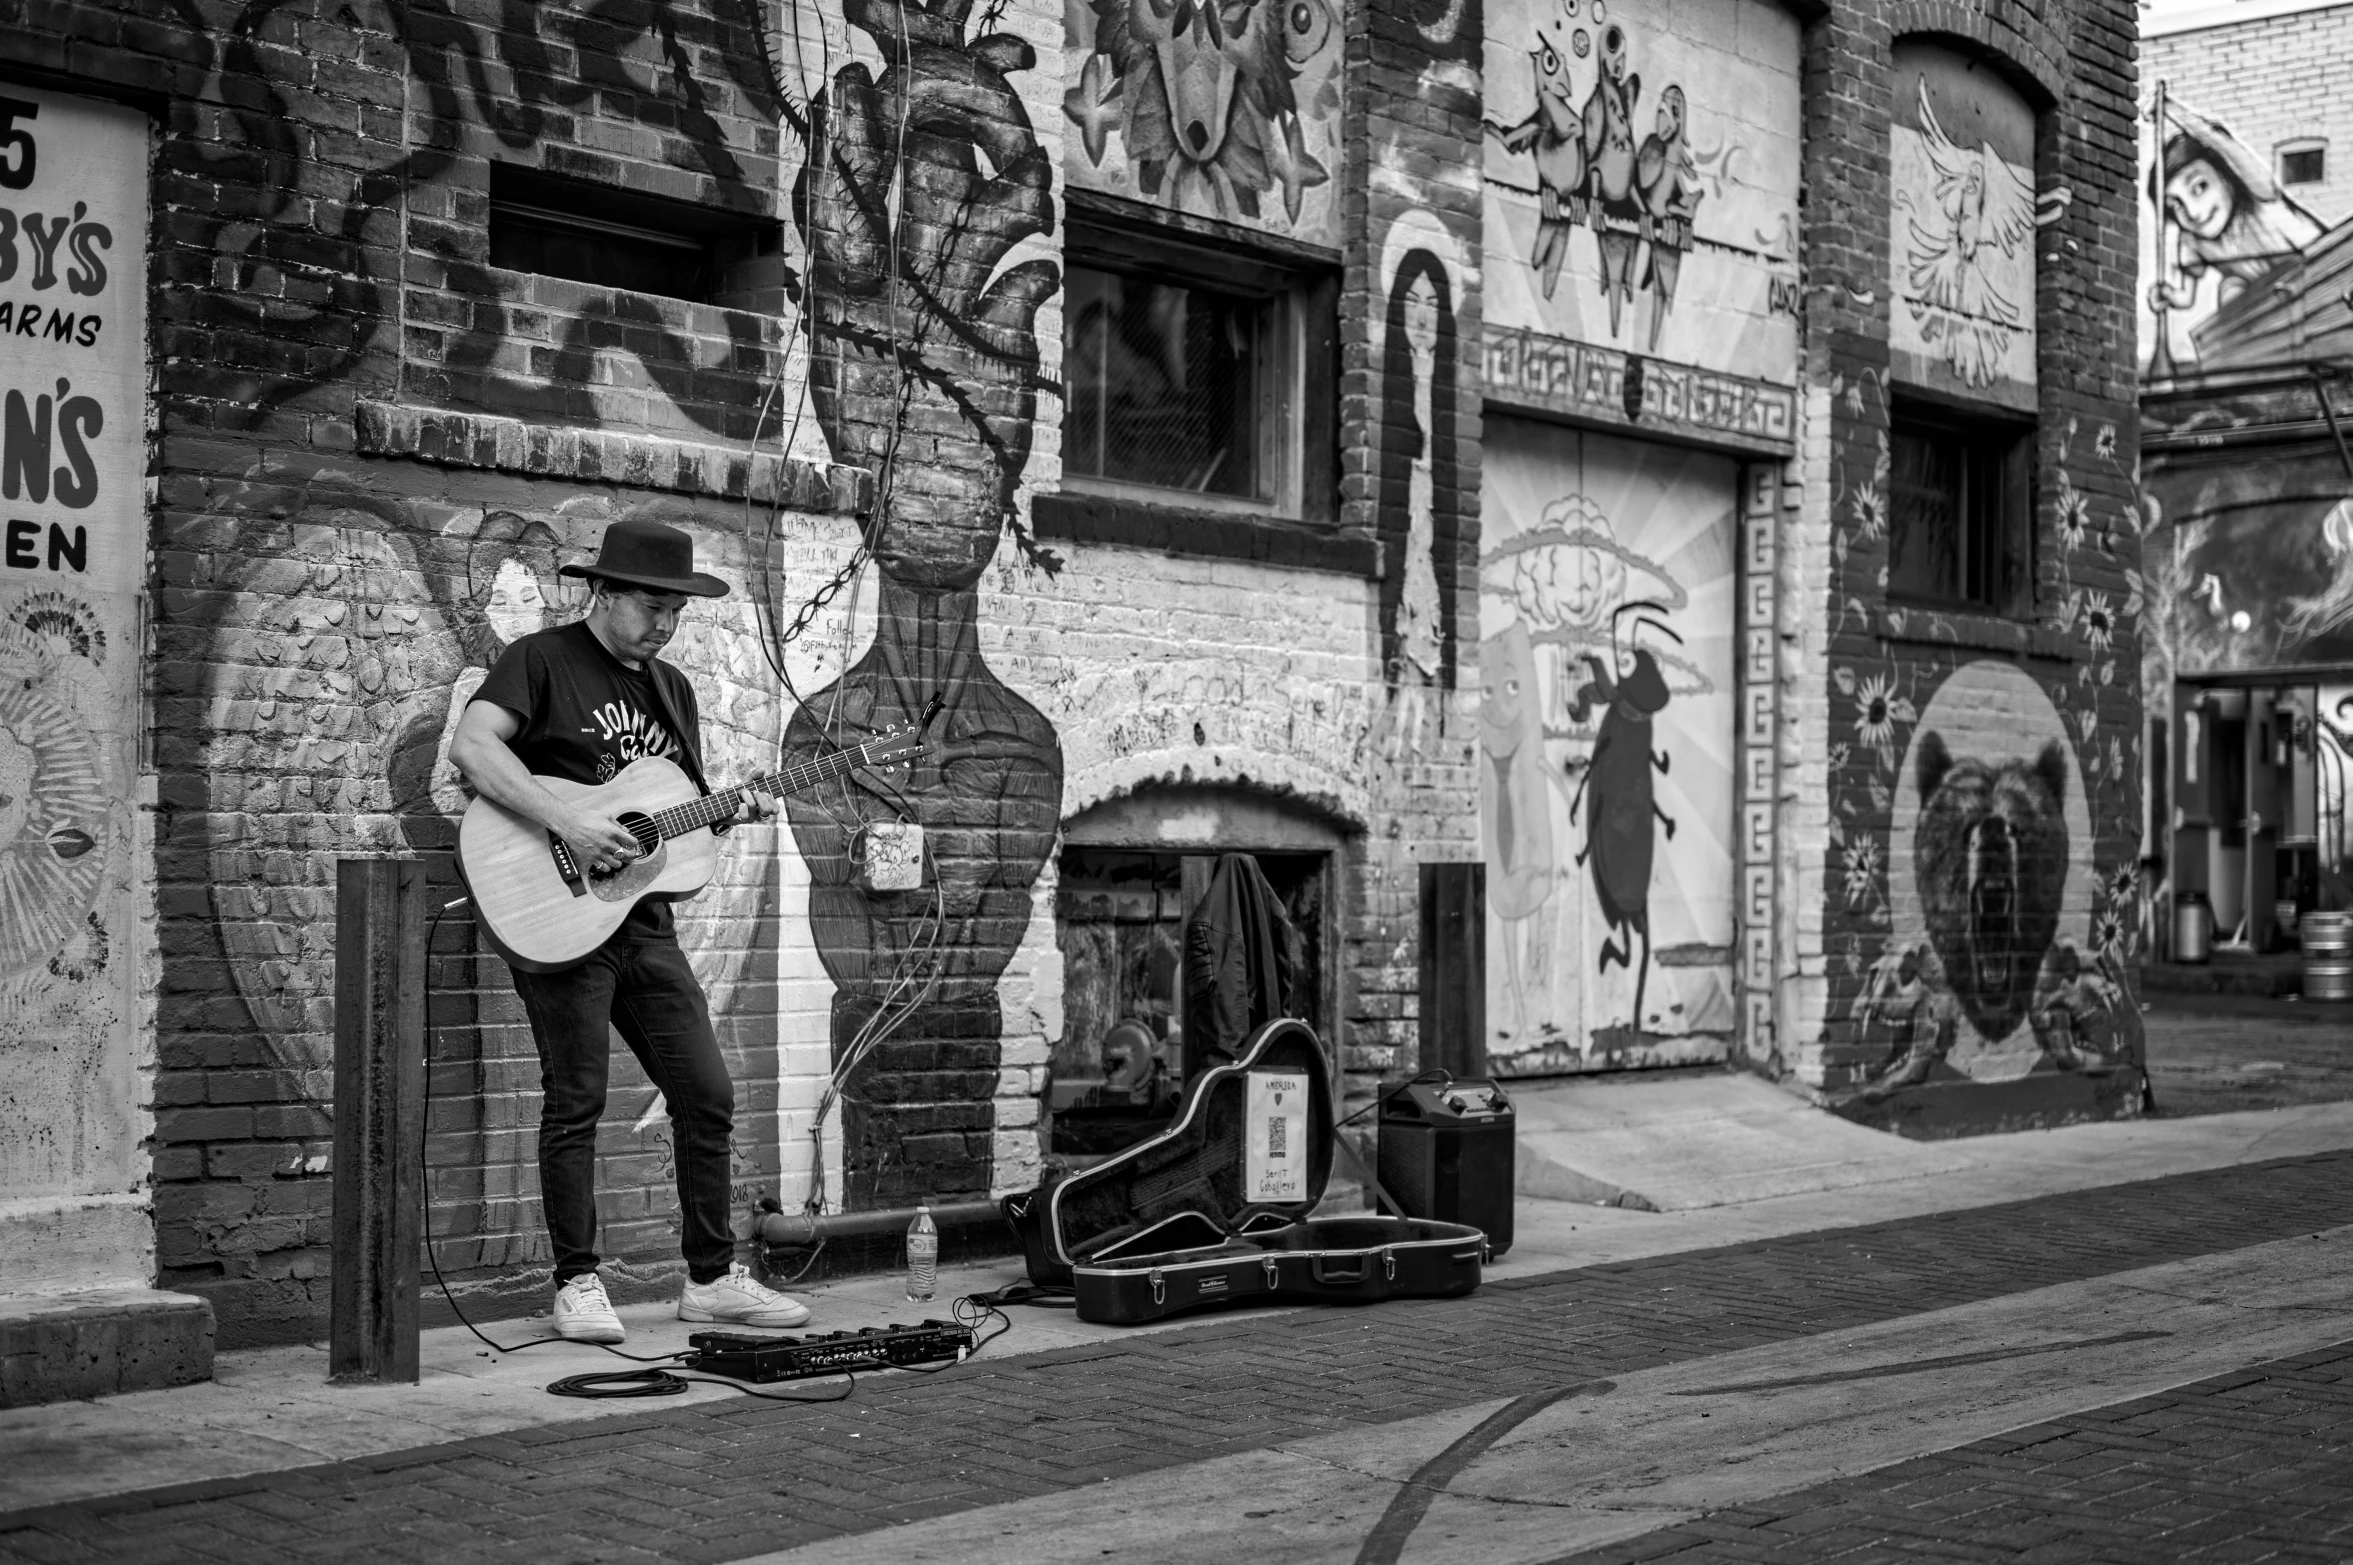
[(586, 714)]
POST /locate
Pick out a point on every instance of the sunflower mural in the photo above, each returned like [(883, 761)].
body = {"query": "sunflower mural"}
[(1984, 890)]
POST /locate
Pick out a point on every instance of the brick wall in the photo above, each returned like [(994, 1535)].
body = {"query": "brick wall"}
[(1412, 208), (366, 435), (1864, 676), (320, 595)]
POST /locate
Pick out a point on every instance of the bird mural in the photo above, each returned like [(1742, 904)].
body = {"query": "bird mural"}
[(1609, 146), (1976, 213), (1667, 179), (1595, 167), (1553, 136)]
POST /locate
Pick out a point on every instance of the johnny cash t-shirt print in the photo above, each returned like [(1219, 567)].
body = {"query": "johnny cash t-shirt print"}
[(585, 714)]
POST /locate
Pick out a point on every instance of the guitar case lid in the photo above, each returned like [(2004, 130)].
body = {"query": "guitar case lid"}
[(1205, 1178)]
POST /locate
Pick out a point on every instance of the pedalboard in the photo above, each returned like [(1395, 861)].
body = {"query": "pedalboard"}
[(764, 1359)]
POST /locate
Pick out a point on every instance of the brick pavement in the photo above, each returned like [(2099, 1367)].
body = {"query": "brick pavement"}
[(2252, 1465), (725, 1478)]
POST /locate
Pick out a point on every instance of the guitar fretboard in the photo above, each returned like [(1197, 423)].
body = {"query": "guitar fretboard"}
[(711, 809)]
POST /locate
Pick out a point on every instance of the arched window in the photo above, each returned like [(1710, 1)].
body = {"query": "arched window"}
[(1132, 871)]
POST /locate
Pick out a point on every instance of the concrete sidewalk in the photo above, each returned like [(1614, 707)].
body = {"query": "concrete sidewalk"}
[(1691, 1141), (272, 1410)]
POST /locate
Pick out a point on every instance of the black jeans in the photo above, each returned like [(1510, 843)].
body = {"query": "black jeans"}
[(643, 988)]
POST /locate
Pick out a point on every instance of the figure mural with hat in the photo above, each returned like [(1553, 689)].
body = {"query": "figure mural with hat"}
[(2226, 212), (580, 702)]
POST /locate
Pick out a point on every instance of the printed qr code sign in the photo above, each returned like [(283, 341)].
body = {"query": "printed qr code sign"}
[(1275, 1157)]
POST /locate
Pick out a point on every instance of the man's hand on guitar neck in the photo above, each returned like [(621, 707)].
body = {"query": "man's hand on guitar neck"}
[(479, 749)]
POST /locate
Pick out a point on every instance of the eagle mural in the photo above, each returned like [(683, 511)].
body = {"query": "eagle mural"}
[(1968, 244)]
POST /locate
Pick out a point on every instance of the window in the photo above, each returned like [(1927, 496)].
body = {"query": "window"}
[(1184, 364), (609, 238), (1960, 510), (1168, 384), (2303, 162)]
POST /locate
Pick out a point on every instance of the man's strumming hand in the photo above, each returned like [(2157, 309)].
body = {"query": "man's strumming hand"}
[(602, 842)]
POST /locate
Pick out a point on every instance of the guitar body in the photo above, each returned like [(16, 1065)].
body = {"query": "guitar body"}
[(539, 920)]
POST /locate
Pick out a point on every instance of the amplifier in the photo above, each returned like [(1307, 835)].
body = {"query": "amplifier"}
[(792, 1358), (1448, 1153)]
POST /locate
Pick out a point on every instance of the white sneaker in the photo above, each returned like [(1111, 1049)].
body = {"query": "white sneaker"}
[(584, 1314), (737, 1300)]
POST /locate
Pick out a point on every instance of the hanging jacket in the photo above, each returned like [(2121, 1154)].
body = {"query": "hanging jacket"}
[(1238, 973)]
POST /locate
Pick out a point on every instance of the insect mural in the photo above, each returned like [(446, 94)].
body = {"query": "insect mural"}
[(1619, 845), (1607, 591)]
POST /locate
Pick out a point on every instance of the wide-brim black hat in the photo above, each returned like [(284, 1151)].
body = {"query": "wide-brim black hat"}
[(649, 554)]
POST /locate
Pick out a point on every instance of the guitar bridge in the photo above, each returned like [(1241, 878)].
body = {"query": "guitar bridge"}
[(566, 865)]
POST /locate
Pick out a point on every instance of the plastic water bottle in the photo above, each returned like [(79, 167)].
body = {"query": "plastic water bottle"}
[(923, 1257)]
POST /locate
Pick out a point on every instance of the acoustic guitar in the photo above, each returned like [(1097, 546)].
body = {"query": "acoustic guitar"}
[(544, 910)]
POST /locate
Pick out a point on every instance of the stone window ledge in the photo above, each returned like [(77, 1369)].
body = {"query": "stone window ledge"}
[(1912, 626), (1263, 540), (510, 445)]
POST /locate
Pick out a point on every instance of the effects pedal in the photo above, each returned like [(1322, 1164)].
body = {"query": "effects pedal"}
[(793, 1358)]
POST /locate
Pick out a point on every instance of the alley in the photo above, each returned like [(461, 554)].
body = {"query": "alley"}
[(2144, 1370)]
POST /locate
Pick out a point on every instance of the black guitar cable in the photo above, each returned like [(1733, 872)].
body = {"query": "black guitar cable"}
[(601, 1384), (970, 1311)]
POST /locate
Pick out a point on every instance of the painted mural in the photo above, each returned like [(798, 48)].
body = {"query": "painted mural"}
[(944, 343), (2238, 270), (2250, 564), (1420, 495), (1961, 233), (1641, 180), (1606, 734), (75, 896), (1983, 888), (2005, 952), (1226, 109), (327, 627)]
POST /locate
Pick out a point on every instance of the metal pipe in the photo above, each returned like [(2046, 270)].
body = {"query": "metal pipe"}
[(2328, 411), (802, 1228)]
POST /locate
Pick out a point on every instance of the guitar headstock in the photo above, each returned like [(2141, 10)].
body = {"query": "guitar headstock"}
[(903, 743), (894, 745)]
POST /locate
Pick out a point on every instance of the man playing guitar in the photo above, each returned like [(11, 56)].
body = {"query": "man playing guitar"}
[(581, 702)]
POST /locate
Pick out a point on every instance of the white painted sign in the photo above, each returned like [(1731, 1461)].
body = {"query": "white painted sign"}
[(74, 896), (73, 342), (1274, 1156)]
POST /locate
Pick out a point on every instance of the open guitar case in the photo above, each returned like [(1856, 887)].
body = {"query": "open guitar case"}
[(1171, 1224)]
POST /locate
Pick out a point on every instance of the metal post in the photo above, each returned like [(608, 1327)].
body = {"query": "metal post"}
[(379, 1118), (1454, 968)]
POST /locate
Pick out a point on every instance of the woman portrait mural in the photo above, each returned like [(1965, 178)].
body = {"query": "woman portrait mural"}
[(505, 589)]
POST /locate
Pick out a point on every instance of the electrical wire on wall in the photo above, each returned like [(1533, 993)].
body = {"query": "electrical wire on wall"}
[(915, 974)]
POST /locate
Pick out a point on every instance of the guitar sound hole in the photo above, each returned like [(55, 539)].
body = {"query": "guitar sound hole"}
[(625, 883)]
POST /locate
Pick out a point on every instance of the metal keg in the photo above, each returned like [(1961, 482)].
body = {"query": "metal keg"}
[(2328, 956), (2193, 927)]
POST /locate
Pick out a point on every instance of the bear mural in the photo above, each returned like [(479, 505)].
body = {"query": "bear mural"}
[(1991, 855), (1990, 973)]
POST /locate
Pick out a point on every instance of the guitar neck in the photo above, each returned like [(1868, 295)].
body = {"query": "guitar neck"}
[(713, 808)]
